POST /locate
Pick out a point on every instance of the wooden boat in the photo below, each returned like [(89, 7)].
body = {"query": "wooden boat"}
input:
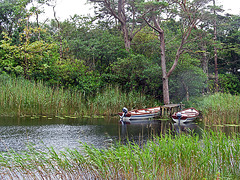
[(138, 114), (186, 115)]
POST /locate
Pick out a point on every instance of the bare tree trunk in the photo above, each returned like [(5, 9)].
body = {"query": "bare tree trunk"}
[(215, 49), (166, 99), (122, 19), (165, 74), (125, 35), (120, 15)]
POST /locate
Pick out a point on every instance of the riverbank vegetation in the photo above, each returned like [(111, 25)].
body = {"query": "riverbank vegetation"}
[(212, 156), (220, 108), (21, 97)]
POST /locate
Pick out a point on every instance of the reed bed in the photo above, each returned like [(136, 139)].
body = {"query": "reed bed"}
[(214, 156), (112, 100), (220, 109), (19, 97)]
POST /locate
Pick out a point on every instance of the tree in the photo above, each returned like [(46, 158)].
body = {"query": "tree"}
[(229, 36), (215, 47), (126, 13), (98, 46), (24, 48), (137, 72), (26, 56), (11, 11), (188, 13)]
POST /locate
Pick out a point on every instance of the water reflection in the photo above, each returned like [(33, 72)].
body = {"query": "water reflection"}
[(67, 132), (144, 129), (189, 128), (140, 131), (228, 129)]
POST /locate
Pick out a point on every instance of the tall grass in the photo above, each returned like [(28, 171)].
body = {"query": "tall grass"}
[(215, 156), (220, 108), (20, 97), (113, 100)]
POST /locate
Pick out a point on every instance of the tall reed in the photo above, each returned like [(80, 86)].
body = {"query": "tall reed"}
[(220, 108), (112, 100), (215, 156), (20, 97)]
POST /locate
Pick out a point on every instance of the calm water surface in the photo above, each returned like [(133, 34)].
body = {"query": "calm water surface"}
[(56, 132), (62, 133)]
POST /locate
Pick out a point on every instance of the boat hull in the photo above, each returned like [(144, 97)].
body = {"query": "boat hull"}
[(141, 114), (184, 120), (138, 117), (187, 115)]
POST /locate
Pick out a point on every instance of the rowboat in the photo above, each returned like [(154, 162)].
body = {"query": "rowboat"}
[(186, 115), (138, 114)]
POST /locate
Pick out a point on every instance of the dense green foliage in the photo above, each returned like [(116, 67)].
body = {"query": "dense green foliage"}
[(88, 54), (212, 156), (229, 83)]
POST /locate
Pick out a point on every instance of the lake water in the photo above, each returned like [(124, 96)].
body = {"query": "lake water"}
[(61, 133)]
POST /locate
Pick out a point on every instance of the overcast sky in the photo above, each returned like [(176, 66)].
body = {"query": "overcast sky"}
[(67, 8)]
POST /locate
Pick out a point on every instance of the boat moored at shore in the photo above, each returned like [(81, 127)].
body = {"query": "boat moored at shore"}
[(186, 115), (138, 114)]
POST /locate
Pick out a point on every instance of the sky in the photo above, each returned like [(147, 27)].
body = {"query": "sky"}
[(66, 8)]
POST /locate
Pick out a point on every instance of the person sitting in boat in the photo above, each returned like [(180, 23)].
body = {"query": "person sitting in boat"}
[(125, 111)]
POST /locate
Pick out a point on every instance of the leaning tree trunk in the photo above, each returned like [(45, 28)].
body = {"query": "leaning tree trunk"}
[(192, 20)]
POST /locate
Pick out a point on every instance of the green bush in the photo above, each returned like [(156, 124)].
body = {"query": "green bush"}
[(138, 73), (229, 83)]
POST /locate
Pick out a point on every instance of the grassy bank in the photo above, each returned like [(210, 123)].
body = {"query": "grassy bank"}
[(19, 97), (22, 97), (219, 108), (215, 156)]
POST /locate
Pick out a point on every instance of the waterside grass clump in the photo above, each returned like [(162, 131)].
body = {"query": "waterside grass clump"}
[(214, 156), (220, 109), (19, 97)]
